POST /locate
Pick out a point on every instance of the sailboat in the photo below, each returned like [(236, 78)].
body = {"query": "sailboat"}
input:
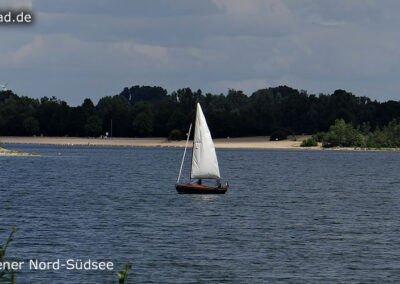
[(204, 164)]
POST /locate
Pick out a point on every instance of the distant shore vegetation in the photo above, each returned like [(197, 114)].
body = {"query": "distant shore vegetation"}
[(338, 119), (343, 134)]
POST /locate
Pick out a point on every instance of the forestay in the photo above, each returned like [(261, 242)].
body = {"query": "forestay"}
[(204, 159)]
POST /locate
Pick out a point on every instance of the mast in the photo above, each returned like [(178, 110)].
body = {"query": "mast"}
[(184, 153)]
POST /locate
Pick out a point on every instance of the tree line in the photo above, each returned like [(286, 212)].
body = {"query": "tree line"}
[(150, 111)]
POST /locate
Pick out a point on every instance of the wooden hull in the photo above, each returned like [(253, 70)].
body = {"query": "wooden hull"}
[(200, 189)]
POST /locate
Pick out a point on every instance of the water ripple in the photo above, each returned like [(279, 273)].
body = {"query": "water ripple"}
[(289, 216)]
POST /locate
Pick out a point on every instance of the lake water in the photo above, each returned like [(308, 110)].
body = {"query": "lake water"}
[(289, 216)]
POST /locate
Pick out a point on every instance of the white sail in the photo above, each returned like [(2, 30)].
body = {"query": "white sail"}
[(204, 158)]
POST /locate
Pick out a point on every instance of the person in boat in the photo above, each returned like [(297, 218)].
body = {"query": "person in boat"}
[(218, 181), (199, 182)]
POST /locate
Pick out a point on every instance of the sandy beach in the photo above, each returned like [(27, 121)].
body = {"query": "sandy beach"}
[(260, 142)]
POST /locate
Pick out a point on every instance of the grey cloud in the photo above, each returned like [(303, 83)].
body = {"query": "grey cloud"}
[(128, 8), (95, 48)]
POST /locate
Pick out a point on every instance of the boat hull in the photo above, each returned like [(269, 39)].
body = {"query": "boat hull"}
[(200, 189)]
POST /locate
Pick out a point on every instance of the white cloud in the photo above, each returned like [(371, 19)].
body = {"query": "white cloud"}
[(26, 52), (154, 53)]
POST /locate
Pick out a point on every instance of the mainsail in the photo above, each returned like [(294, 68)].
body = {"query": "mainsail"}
[(204, 158)]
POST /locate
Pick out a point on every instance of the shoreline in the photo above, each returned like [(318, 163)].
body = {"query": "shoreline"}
[(259, 142), (256, 142)]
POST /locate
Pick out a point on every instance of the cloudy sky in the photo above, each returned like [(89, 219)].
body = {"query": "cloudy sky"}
[(93, 48)]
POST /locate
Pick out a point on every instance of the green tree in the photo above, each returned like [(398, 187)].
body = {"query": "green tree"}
[(93, 126), (343, 134), (31, 125), (118, 110), (310, 142), (143, 124)]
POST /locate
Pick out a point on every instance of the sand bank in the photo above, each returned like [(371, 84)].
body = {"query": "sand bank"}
[(7, 152), (260, 142)]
